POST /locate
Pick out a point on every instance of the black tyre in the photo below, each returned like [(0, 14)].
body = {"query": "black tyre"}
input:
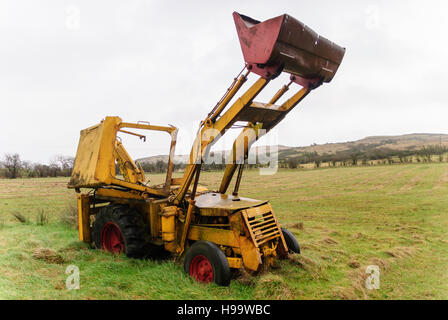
[(205, 262), (291, 241), (120, 229)]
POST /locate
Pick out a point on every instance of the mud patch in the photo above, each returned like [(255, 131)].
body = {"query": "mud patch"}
[(48, 255)]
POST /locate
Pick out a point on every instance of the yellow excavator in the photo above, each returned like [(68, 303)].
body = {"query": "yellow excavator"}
[(214, 231)]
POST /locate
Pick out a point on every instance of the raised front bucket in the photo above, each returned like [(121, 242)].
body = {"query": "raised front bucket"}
[(287, 42)]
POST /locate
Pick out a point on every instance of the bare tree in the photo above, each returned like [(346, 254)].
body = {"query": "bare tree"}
[(64, 162), (12, 164)]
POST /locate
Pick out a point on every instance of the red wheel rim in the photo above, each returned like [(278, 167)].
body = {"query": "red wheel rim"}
[(201, 269), (111, 238)]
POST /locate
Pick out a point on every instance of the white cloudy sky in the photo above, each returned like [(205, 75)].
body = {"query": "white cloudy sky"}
[(64, 65)]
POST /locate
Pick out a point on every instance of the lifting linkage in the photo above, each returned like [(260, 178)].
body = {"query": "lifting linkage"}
[(252, 133), (212, 128)]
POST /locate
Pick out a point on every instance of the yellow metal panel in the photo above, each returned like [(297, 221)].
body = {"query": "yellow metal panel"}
[(250, 253), (215, 235), (168, 228), (105, 168), (168, 223), (86, 158), (235, 263), (252, 212), (176, 181), (114, 193), (138, 187), (95, 164), (171, 246), (225, 201), (155, 219), (294, 100), (83, 217)]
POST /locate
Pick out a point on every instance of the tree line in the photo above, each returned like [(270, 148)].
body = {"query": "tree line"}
[(367, 155), (11, 166), (160, 166)]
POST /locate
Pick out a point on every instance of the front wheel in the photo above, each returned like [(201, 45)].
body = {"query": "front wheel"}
[(291, 241), (205, 262)]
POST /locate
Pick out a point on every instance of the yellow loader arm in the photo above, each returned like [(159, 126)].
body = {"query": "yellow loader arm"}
[(128, 168)]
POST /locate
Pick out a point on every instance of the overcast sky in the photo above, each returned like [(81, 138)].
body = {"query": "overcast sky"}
[(65, 65)]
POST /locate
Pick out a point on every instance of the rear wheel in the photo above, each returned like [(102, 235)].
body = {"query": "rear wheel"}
[(120, 229), (205, 262), (291, 241), (112, 239)]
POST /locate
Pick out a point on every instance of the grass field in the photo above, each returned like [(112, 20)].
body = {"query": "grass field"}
[(345, 219)]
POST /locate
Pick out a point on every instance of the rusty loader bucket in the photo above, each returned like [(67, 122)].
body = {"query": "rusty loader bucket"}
[(286, 44)]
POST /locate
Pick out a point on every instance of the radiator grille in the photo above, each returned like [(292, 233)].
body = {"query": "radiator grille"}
[(262, 225)]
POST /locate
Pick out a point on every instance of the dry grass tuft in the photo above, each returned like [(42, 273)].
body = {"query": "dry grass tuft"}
[(244, 277), (31, 243), (42, 217), (339, 252), (302, 261), (20, 217), (359, 276), (60, 285), (313, 268), (345, 293), (297, 225), (354, 264), (48, 255), (381, 263), (272, 287), (400, 252), (329, 241), (69, 215), (359, 235), (418, 238)]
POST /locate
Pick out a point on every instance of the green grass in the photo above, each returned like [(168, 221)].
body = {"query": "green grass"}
[(345, 219)]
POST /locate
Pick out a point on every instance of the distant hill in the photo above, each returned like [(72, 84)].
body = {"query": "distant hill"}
[(183, 158), (413, 141), (408, 142)]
